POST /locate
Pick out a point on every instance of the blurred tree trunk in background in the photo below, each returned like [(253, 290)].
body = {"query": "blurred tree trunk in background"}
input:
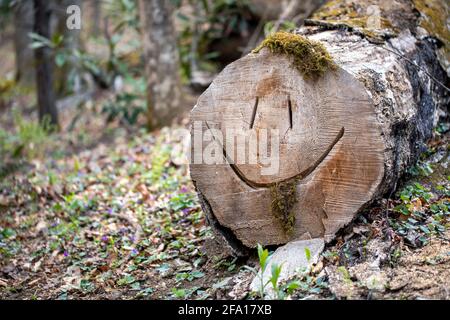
[(92, 19), (44, 64), (96, 7), (287, 10), (23, 25), (162, 61), (67, 76)]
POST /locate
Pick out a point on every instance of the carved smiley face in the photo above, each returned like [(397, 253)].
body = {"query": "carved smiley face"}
[(328, 146), (283, 118)]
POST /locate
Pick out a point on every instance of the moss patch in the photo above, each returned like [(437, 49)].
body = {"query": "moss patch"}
[(335, 9), (310, 57), (434, 16), (354, 17), (283, 200), (348, 13)]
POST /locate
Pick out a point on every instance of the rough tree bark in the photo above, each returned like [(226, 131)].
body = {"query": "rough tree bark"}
[(346, 136), (162, 61), (23, 24), (44, 64)]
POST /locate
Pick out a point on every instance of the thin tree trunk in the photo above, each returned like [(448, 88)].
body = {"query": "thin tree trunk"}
[(44, 64), (67, 77), (23, 23), (96, 17), (162, 61)]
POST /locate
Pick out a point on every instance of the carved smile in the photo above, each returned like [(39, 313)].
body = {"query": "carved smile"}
[(300, 176)]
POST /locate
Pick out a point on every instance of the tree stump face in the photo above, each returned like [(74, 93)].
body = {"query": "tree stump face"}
[(287, 150), (274, 105)]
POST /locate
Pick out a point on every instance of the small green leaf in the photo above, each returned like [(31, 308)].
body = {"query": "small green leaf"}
[(60, 59), (276, 270), (128, 279), (263, 254), (308, 254), (136, 286), (87, 286), (425, 229), (291, 286), (8, 233)]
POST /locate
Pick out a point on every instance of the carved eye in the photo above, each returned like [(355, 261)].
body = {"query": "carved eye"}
[(255, 107), (290, 111)]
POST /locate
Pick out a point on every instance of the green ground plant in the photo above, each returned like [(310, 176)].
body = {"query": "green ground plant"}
[(29, 139)]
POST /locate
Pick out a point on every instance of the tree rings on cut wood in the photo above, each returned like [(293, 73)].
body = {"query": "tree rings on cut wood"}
[(292, 158)]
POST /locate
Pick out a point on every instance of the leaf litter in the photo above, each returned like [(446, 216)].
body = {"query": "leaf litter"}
[(114, 216)]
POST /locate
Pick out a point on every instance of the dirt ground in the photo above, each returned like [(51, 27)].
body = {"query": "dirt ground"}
[(121, 220)]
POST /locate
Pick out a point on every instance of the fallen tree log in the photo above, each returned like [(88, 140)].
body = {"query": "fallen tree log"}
[(348, 124)]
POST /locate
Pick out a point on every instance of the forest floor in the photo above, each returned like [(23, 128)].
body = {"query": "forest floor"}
[(103, 212)]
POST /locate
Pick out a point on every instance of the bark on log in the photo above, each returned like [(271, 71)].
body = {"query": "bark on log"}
[(347, 136)]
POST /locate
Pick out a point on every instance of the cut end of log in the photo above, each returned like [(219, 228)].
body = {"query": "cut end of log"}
[(282, 156), (279, 155)]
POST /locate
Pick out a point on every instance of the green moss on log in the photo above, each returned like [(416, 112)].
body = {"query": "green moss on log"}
[(335, 10), (434, 16), (284, 197), (310, 57), (342, 12), (346, 14), (434, 19)]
